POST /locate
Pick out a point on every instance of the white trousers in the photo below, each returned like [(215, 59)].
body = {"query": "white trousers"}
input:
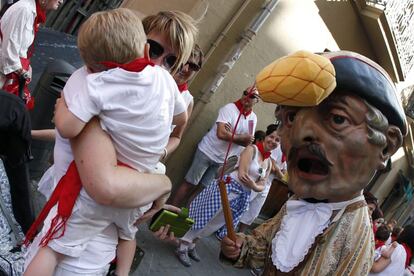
[(256, 202)]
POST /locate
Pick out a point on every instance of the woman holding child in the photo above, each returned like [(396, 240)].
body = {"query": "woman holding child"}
[(117, 186), (253, 168), (395, 258)]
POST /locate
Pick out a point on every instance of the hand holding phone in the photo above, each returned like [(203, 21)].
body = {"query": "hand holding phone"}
[(179, 223)]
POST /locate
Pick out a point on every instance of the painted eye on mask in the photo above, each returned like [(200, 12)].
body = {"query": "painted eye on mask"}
[(289, 117), (338, 121)]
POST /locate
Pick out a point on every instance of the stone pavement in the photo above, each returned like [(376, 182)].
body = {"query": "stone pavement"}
[(160, 260)]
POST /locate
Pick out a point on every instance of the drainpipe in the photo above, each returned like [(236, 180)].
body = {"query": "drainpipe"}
[(234, 56), (226, 29)]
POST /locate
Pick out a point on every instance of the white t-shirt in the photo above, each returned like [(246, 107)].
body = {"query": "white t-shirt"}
[(188, 98), (397, 265), (216, 148), (136, 109), (17, 29)]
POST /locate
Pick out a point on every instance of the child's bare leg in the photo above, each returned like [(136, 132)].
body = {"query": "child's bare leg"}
[(43, 263), (124, 256)]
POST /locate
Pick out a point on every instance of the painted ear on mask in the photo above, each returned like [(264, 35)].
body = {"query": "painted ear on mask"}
[(394, 142)]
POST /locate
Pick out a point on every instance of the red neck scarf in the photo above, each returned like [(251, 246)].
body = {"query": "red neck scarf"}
[(39, 19), (40, 16), (239, 106), (182, 87), (137, 65), (265, 154), (409, 254), (379, 243)]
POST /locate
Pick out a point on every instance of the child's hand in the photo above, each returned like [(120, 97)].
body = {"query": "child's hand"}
[(228, 127), (386, 253), (60, 103)]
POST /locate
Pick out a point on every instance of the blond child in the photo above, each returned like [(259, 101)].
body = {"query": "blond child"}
[(136, 103)]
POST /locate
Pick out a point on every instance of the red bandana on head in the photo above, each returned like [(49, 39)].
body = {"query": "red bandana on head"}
[(265, 154), (239, 106), (136, 65), (183, 87)]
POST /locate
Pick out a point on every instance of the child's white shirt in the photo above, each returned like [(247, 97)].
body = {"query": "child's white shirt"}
[(136, 109)]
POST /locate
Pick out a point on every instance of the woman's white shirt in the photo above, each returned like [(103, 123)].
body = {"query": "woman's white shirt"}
[(16, 27), (187, 97)]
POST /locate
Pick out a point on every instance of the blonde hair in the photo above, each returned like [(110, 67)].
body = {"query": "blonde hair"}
[(181, 29), (114, 35)]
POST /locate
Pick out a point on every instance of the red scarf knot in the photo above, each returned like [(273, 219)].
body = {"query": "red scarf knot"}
[(137, 65), (379, 243), (240, 107), (265, 154), (182, 87)]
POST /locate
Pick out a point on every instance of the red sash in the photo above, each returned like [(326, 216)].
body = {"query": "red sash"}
[(12, 84), (64, 195)]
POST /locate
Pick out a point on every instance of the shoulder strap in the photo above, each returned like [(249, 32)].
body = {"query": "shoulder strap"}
[(254, 151)]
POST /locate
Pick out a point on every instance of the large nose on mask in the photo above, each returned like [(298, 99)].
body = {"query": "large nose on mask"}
[(307, 126)]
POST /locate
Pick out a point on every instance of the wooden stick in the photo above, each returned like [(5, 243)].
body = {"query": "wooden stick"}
[(228, 218)]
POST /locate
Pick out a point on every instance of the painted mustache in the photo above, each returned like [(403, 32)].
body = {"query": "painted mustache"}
[(313, 149)]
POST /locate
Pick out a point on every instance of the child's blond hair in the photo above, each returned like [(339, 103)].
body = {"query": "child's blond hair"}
[(115, 35), (181, 29)]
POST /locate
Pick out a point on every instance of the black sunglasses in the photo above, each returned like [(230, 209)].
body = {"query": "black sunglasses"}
[(156, 50), (251, 96)]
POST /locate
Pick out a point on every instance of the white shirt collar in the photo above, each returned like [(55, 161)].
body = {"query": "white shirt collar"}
[(300, 226)]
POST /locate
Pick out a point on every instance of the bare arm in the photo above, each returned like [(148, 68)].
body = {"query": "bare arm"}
[(276, 170), (380, 265), (224, 133), (43, 134), (180, 122), (243, 170), (66, 123), (385, 258), (107, 183)]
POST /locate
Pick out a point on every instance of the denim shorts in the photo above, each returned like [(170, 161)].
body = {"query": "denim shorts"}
[(203, 169)]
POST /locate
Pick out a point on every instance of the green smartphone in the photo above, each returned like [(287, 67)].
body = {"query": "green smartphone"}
[(179, 223)]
